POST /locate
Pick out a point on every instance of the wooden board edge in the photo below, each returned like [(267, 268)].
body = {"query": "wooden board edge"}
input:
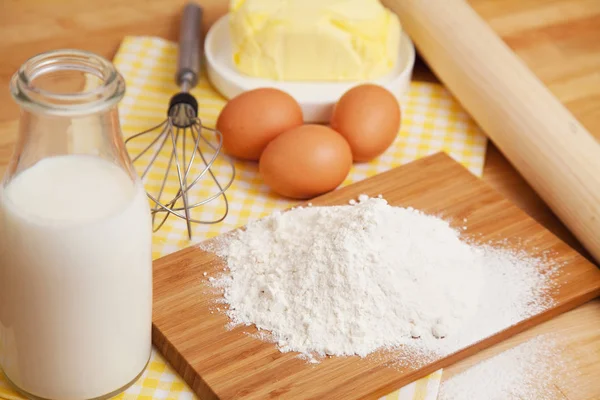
[(178, 363), (487, 342)]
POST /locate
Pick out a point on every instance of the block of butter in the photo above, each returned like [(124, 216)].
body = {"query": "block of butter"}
[(314, 40)]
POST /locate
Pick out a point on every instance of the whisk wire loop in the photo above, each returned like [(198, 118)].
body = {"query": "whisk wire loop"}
[(182, 119)]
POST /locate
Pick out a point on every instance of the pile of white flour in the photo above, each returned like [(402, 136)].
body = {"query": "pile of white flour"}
[(349, 280)]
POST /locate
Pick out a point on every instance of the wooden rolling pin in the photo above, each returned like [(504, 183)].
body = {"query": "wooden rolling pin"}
[(557, 156)]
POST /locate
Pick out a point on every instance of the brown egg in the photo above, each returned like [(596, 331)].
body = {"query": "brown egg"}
[(306, 161), (252, 119), (368, 116)]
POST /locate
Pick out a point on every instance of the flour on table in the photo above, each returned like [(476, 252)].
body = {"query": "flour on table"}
[(354, 279), (530, 371)]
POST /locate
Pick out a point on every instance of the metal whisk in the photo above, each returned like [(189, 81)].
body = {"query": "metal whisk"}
[(182, 124)]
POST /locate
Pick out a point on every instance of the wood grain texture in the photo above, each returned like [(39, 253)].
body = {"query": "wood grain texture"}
[(541, 138), (575, 333), (560, 42), (230, 364)]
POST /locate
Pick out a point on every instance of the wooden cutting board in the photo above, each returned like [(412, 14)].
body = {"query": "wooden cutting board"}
[(229, 364)]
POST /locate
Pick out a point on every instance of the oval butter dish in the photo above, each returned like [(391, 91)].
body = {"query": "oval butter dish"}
[(316, 98)]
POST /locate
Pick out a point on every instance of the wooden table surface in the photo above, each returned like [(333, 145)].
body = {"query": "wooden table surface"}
[(558, 39)]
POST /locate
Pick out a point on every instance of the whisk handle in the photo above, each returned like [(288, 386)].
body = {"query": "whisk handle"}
[(188, 66)]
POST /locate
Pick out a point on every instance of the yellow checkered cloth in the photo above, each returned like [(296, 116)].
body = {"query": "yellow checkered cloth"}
[(432, 121)]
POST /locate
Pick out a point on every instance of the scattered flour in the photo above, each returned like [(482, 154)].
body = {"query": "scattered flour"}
[(530, 371), (350, 280)]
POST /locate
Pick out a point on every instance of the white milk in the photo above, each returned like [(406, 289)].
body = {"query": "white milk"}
[(75, 278)]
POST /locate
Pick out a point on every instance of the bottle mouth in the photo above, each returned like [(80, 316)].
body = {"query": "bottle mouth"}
[(67, 82)]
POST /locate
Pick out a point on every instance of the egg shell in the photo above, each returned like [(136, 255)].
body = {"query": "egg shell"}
[(368, 116), (306, 161), (252, 119)]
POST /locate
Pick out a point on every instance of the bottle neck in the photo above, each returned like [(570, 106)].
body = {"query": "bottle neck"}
[(67, 83), (68, 102)]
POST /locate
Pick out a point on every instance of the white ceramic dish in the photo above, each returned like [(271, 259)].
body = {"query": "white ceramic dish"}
[(316, 98)]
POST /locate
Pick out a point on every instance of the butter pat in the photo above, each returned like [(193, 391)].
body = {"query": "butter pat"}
[(314, 40)]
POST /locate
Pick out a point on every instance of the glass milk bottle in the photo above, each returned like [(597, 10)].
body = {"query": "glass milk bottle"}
[(75, 237)]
